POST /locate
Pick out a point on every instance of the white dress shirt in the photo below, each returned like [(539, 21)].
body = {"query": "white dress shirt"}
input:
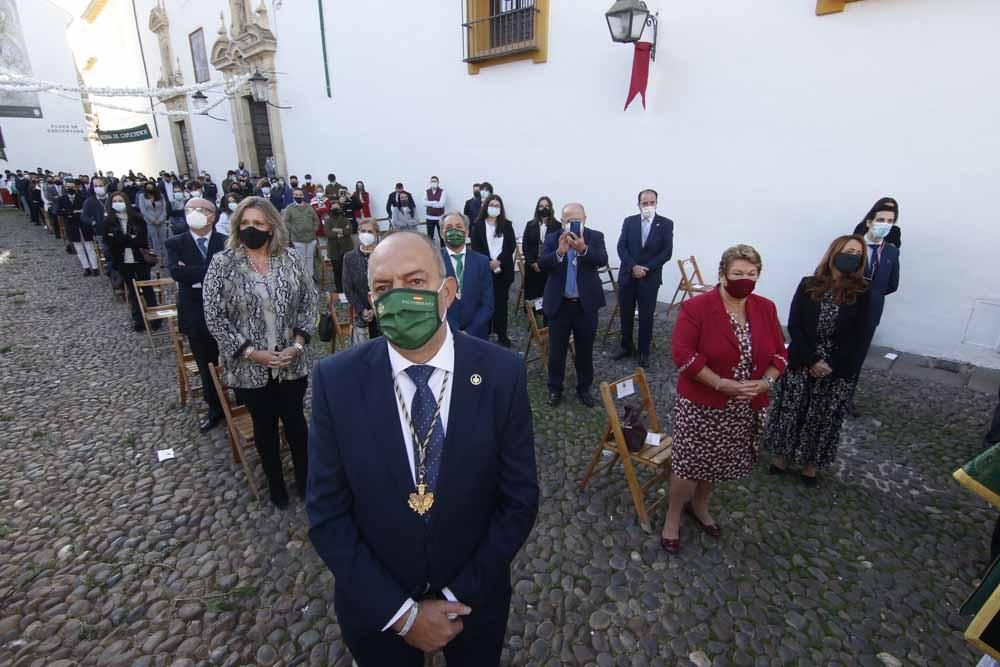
[(444, 364), (128, 257)]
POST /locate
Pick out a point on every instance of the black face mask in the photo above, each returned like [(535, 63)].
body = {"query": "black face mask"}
[(253, 238), (847, 263), (544, 212), (298, 200), (475, 193)]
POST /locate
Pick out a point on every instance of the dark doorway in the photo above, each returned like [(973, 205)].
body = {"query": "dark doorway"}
[(261, 133), (188, 166)]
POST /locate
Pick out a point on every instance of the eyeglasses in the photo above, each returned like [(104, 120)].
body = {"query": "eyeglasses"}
[(201, 209)]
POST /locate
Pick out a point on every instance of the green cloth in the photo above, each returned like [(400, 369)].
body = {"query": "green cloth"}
[(338, 246), (981, 475), (459, 269), (302, 223)]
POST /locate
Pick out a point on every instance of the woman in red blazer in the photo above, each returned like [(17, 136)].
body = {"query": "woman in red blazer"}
[(730, 350)]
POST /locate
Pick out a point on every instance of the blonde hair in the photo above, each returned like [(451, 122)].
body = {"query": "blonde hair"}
[(369, 221), (737, 252), (279, 233)]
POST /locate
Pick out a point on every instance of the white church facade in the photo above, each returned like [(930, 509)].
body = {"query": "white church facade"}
[(764, 122)]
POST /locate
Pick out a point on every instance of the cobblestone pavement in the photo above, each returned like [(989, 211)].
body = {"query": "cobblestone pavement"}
[(108, 557)]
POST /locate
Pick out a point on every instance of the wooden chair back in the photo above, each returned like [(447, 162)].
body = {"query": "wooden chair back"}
[(188, 377), (343, 321), (654, 457), (540, 336), (163, 312), (118, 289), (519, 262), (608, 279), (239, 425), (691, 283)]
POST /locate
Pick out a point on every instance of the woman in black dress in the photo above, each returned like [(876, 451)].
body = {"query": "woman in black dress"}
[(535, 231), (493, 236), (827, 324)]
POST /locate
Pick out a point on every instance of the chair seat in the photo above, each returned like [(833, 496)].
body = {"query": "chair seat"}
[(654, 457)]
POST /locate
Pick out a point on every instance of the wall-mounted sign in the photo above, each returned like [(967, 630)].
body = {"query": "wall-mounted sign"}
[(138, 133)]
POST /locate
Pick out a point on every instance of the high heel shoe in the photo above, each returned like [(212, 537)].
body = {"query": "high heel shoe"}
[(713, 530), (672, 547)]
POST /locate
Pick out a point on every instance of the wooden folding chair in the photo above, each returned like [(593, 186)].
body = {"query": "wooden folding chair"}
[(654, 457), (688, 286), (165, 310), (188, 377), (609, 279), (239, 425), (343, 322), (519, 262), (540, 337)]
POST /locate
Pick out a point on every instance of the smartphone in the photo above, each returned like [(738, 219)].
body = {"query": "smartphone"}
[(576, 228)]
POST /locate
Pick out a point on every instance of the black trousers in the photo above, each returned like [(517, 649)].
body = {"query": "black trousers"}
[(432, 226), (268, 404), (572, 319), (137, 271), (480, 643), (35, 210), (206, 351), (501, 296), (644, 293), (337, 266)]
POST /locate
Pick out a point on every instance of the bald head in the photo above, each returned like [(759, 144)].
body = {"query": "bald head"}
[(574, 211), (402, 256)]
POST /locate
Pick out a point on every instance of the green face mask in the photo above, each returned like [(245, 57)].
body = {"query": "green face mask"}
[(408, 318), (455, 238)]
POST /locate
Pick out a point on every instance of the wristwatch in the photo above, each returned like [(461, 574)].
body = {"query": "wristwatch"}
[(770, 382), (247, 352), (298, 346)]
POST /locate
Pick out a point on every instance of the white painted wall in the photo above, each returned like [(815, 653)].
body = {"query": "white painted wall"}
[(113, 42), (766, 124), (55, 141)]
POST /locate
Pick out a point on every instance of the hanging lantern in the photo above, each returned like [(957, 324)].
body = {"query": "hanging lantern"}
[(199, 100), (627, 20), (258, 86)]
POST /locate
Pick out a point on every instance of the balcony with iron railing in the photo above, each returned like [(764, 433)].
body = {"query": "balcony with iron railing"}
[(513, 27)]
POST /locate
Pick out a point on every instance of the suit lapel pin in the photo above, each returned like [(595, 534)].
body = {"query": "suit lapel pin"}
[(476, 379)]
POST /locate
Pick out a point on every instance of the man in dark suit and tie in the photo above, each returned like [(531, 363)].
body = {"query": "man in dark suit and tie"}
[(188, 256), (645, 245), (422, 481), (472, 310), (573, 295)]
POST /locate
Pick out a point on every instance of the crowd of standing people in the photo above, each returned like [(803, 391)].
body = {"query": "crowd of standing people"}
[(429, 287)]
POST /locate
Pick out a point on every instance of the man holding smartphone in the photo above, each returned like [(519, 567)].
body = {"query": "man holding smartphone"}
[(573, 297)]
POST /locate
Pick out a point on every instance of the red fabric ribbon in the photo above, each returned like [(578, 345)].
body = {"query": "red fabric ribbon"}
[(640, 73)]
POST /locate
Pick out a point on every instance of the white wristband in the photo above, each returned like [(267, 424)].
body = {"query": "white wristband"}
[(410, 619)]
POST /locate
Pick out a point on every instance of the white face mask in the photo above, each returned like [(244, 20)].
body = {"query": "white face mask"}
[(648, 212), (266, 192), (99, 191), (881, 229), (485, 194), (232, 206), (366, 238), (434, 185), (178, 195), (118, 206), (309, 180), (196, 193), (196, 220), (493, 211)]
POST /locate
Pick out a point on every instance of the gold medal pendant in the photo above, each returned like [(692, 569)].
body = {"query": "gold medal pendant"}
[(421, 501)]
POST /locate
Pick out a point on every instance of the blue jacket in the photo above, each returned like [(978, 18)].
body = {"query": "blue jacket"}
[(378, 549), (94, 214), (883, 283), (183, 249), (473, 312), (588, 280), (657, 251)]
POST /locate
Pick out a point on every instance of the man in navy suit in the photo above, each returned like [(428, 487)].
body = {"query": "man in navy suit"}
[(645, 245), (188, 257), (882, 270), (573, 295), (422, 481), (472, 310)]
